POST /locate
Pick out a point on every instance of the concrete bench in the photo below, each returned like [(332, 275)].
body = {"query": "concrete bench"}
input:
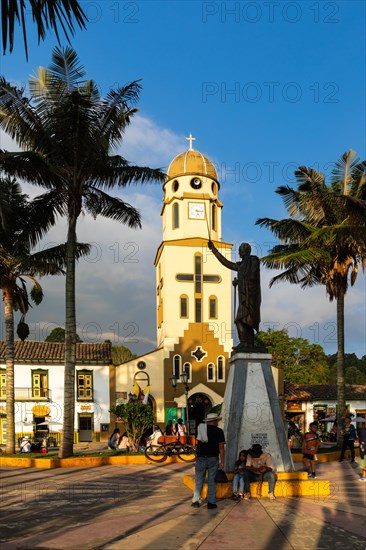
[(288, 484)]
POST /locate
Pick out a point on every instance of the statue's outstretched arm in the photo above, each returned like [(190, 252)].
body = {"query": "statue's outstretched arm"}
[(221, 258)]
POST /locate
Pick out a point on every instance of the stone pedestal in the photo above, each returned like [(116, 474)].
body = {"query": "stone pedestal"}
[(251, 411)]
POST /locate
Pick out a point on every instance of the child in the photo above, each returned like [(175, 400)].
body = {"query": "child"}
[(310, 446), (238, 479)]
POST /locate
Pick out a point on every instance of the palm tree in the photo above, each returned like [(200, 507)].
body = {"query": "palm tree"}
[(67, 132), (324, 240), (20, 227), (46, 14)]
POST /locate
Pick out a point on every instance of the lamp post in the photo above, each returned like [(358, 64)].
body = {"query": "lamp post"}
[(184, 379)]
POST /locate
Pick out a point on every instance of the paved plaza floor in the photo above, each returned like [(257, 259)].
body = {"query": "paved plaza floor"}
[(139, 507)]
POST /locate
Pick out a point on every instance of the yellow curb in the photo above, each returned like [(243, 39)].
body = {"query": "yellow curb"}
[(93, 461), (284, 476), (29, 462), (84, 461), (289, 488), (325, 457)]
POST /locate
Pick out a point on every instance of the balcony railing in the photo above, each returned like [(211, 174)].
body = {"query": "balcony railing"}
[(29, 394)]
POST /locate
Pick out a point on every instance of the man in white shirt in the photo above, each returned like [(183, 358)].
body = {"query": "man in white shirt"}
[(155, 436), (259, 466), (26, 445)]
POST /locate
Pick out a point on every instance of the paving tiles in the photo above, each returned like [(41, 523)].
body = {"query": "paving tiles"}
[(147, 507)]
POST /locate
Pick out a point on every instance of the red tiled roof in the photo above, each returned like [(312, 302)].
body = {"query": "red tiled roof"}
[(30, 351), (309, 392)]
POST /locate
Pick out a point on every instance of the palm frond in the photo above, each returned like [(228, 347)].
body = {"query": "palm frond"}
[(46, 14), (358, 184), (32, 167), (341, 177), (116, 111), (120, 173), (41, 85), (17, 116), (295, 257), (342, 236), (310, 180), (290, 199), (55, 256), (99, 203), (287, 230), (66, 68)]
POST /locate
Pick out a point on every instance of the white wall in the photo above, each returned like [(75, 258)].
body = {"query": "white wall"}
[(100, 405)]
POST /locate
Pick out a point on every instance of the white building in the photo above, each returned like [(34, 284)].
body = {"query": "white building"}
[(39, 383), (305, 403)]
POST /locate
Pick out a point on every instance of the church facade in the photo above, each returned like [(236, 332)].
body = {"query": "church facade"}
[(193, 300)]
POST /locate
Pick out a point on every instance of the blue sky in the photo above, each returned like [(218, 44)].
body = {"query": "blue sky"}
[(264, 87)]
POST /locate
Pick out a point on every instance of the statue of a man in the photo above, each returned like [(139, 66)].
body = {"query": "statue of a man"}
[(249, 292)]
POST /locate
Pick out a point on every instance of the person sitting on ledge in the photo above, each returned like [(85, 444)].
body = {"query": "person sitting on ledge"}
[(124, 443), (113, 439), (155, 436), (26, 445), (259, 467)]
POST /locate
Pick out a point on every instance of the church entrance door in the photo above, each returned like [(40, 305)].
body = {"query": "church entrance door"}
[(199, 405)]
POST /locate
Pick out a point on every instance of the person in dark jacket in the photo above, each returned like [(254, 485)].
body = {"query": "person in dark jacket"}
[(349, 436), (210, 456)]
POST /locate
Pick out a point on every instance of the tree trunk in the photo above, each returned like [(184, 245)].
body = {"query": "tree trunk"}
[(9, 359), (341, 399), (67, 441)]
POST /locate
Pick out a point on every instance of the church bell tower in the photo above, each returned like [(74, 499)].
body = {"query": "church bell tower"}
[(193, 290)]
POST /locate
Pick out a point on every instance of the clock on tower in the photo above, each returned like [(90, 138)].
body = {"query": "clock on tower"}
[(196, 210)]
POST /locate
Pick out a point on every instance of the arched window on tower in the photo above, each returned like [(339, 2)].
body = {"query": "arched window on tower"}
[(212, 307), (220, 369), (213, 217), (177, 361), (175, 215), (184, 306), (211, 372), (187, 367)]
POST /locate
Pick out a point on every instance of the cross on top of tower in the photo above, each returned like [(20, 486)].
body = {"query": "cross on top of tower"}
[(190, 139)]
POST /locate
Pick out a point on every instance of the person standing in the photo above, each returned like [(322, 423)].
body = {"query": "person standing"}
[(210, 456), (180, 428), (169, 428), (361, 432), (310, 446), (349, 436)]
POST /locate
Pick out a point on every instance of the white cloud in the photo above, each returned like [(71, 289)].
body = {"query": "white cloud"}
[(148, 144)]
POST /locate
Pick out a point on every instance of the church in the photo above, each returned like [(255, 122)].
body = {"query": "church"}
[(185, 375)]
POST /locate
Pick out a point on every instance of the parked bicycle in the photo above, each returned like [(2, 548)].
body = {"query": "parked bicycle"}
[(160, 452)]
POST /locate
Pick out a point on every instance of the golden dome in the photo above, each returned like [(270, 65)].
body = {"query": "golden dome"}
[(191, 162)]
